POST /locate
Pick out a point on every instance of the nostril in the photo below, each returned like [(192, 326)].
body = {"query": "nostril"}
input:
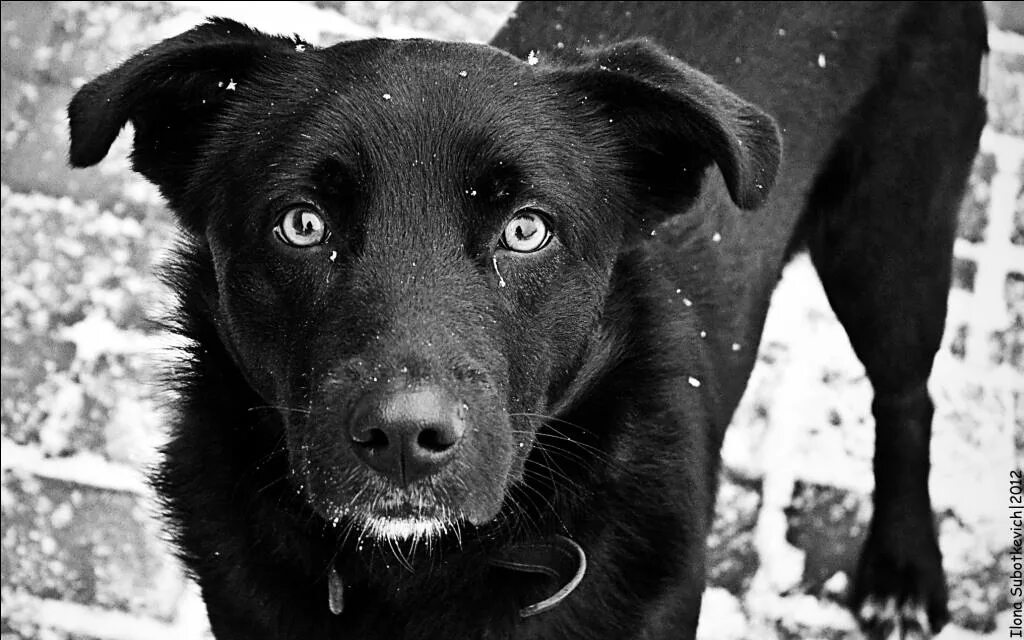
[(372, 438), (434, 440)]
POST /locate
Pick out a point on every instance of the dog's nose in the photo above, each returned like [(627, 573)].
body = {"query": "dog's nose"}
[(408, 434)]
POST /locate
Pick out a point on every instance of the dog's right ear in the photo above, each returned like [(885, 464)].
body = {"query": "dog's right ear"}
[(170, 92), (671, 120)]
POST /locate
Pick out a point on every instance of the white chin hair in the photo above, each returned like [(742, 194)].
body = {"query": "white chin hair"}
[(405, 528)]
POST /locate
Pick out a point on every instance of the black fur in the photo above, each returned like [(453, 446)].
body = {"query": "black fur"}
[(596, 375)]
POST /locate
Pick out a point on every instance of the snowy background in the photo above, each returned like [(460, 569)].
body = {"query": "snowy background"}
[(82, 554)]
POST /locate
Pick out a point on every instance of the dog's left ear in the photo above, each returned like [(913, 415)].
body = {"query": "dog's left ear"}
[(672, 121), (171, 93)]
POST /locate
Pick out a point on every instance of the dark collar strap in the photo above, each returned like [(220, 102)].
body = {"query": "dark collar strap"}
[(559, 558)]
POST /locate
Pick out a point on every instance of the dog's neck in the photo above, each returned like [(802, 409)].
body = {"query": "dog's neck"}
[(559, 558)]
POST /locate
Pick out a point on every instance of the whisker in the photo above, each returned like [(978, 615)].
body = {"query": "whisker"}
[(520, 520), (545, 417), (270, 484), (536, 492), (552, 467), (262, 407), (585, 462), (548, 449), (550, 431)]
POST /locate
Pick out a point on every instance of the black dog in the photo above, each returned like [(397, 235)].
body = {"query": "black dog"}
[(468, 326)]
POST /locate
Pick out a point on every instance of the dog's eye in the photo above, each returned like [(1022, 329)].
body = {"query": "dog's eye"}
[(301, 227), (525, 233)]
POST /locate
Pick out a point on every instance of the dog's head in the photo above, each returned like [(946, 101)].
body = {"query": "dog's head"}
[(414, 241)]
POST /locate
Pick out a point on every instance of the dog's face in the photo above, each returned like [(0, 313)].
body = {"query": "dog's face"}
[(406, 264), (414, 241)]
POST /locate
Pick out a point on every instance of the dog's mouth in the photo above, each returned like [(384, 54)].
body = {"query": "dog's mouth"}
[(406, 515), (379, 512), (411, 528)]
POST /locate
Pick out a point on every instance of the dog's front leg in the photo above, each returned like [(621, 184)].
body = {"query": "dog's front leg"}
[(882, 219)]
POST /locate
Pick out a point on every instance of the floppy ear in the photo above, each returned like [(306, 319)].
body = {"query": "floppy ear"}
[(673, 120), (170, 93)]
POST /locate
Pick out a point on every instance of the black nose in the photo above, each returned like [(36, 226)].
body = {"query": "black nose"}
[(408, 434)]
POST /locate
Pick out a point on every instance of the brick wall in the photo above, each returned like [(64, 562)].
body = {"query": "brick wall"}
[(82, 553)]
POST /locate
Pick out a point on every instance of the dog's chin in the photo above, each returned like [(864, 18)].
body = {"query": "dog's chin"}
[(420, 523), (410, 528), (412, 516)]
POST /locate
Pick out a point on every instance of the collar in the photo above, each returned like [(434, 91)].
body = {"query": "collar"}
[(560, 558)]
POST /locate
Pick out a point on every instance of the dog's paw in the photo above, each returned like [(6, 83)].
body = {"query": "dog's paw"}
[(900, 590), (889, 620)]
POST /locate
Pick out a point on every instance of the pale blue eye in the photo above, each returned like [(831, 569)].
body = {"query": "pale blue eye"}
[(525, 233), (301, 227)]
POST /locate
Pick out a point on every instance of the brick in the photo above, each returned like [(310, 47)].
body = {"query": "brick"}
[(88, 38), (64, 260), (25, 616), (1006, 15), (28, 361), (76, 291), (974, 210), (802, 617), (1017, 236), (106, 407), (25, 26), (732, 557), (972, 450), (1006, 92), (976, 581), (722, 617), (65, 45), (12, 90), (1009, 344), (1012, 339), (1017, 400), (17, 629), (964, 273), (958, 345), (475, 21), (829, 525), (86, 545), (35, 146)]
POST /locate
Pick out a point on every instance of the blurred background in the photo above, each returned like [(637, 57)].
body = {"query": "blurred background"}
[(83, 555)]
